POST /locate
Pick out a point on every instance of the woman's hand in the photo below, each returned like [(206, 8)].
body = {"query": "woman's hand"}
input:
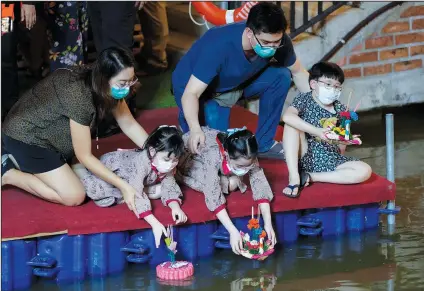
[(129, 193), (270, 233), (177, 212), (157, 228), (236, 242), (28, 15)]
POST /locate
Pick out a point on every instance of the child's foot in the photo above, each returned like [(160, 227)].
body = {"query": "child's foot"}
[(296, 184), (292, 190)]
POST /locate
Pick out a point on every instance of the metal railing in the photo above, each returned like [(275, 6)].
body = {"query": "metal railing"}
[(290, 11), (308, 22)]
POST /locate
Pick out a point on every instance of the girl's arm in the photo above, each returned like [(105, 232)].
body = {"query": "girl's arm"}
[(261, 189), (170, 196), (291, 117), (170, 191), (129, 125)]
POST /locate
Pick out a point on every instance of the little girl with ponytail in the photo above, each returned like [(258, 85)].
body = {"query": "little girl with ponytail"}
[(219, 169)]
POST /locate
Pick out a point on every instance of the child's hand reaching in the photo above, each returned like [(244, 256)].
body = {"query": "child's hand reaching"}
[(177, 212), (236, 242), (157, 228), (270, 234)]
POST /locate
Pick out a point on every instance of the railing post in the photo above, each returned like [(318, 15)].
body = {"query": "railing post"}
[(292, 15), (390, 163), (305, 12)]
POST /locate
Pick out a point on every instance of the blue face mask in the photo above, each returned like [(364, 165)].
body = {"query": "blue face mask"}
[(119, 93), (264, 52)]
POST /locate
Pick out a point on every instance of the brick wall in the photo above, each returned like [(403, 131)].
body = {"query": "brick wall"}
[(399, 46)]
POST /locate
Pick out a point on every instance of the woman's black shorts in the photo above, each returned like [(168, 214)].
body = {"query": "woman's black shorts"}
[(30, 158)]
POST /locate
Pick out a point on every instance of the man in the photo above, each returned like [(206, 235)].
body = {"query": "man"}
[(245, 59)]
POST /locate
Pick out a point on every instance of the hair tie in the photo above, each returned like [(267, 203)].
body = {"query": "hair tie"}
[(232, 131), (167, 126)]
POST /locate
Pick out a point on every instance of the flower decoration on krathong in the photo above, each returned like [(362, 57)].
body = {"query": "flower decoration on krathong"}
[(170, 243), (339, 128), (255, 244)]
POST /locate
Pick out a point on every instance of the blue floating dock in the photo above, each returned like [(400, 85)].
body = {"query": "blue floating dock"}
[(63, 258)]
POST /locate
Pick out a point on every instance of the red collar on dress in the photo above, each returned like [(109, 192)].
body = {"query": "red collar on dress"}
[(160, 176), (225, 169)]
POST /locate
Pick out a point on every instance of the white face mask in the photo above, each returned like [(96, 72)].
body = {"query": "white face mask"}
[(238, 172), (164, 167), (327, 96)]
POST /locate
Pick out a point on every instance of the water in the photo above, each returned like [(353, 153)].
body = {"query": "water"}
[(369, 261)]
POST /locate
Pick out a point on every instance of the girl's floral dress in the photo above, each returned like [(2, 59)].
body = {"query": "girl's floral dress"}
[(68, 33)]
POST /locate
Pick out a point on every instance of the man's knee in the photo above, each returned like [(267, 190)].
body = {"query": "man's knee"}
[(217, 116), (282, 77)]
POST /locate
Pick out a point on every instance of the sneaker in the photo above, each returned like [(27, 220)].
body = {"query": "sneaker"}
[(8, 163)]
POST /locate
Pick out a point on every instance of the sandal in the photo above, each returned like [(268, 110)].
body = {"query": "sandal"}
[(305, 178), (292, 187)]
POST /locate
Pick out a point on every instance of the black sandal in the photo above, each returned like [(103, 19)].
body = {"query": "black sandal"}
[(292, 187), (305, 177)]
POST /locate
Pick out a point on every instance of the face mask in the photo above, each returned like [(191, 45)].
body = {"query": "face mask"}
[(119, 93), (164, 167), (238, 172), (327, 96), (264, 52)]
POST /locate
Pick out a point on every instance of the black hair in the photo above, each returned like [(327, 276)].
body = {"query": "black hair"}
[(165, 139), (328, 70), (239, 144), (266, 17), (110, 62)]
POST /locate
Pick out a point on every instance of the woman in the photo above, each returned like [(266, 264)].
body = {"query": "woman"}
[(52, 123), (68, 24)]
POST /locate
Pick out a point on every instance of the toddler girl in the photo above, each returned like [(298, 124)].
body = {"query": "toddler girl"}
[(150, 171), (219, 169), (304, 141)]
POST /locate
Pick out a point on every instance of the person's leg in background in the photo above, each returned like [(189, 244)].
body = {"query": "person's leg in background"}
[(9, 72), (68, 25), (34, 44), (95, 18), (271, 87), (154, 25), (117, 19)]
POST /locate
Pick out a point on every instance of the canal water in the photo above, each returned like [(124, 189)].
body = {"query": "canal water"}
[(369, 261)]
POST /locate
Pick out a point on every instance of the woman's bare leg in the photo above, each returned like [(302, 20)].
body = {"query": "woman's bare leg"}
[(60, 186), (295, 146), (353, 172)]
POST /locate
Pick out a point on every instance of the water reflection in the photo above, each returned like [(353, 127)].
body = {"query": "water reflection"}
[(357, 260)]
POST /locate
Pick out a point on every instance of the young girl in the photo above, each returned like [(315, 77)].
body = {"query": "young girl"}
[(320, 160), (150, 171), (219, 169)]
